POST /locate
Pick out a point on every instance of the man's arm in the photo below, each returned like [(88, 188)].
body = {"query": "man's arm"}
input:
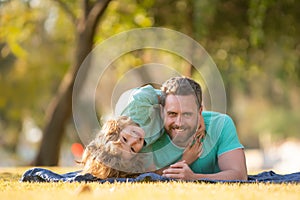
[(232, 165)]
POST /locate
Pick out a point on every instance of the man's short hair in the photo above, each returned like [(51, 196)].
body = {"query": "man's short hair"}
[(181, 86)]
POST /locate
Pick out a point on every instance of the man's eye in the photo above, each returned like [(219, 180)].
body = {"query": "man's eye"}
[(125, 140), (187, 114), (172, 114)]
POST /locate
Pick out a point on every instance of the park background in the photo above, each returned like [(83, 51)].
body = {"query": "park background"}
[(255, 45)]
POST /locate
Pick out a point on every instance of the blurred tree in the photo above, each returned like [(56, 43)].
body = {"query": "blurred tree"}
[(254, 43), (257, 54), (45, 39), (129, 15), (25, 71), (60, 108)]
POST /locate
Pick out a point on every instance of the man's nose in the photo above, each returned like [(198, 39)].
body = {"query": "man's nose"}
[(178, 120)]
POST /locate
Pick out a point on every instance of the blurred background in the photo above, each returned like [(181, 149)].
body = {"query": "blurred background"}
[(255, 45)]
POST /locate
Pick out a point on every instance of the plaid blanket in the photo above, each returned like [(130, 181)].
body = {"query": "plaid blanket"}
[(45, 175)]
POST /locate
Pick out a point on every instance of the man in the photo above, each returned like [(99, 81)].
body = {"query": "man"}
[(222, 158)]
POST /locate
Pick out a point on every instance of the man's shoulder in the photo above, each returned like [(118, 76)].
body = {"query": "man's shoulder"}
[(216, 120), (212, 115)]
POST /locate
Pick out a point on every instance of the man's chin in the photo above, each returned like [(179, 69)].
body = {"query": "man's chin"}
[(180, 138)]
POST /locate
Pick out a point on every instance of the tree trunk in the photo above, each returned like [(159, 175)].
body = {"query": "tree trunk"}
[(60, 109)]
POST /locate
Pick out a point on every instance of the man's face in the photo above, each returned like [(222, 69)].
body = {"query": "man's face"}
[(181, 118)]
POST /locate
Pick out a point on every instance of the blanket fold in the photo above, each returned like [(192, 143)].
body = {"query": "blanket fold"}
[(46, 175)]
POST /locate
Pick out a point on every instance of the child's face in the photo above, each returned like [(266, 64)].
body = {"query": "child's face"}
[(132, 138)]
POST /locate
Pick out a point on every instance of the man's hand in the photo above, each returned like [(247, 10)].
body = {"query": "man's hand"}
[(179, 170)]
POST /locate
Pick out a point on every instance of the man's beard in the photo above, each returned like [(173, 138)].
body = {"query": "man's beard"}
[(182, 135)]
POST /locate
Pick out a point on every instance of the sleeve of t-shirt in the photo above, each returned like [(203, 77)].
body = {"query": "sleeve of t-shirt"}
[(228, 140), (140, 104)]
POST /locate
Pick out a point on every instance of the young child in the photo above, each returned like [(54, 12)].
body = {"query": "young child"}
[(110, 155)]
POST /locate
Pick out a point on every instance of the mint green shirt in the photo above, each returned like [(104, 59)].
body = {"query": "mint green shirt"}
[(142, 106), (221, 137)]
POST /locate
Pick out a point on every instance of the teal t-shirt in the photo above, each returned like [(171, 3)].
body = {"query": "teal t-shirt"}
[(221, 137), (142, 106)]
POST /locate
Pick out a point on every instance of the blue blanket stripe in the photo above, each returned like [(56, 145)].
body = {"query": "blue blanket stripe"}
[(45, 175)]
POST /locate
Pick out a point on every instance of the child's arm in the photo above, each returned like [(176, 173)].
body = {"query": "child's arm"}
[(142, 106), (193, 151)]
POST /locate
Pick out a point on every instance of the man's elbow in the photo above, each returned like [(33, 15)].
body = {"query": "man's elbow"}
[(243, 175)]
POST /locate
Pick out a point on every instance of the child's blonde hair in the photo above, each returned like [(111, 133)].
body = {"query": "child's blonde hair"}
[(103, 159)]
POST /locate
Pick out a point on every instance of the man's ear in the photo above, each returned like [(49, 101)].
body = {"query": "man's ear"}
[(201, 126), (162, 111), (200, 120), (200, 110)]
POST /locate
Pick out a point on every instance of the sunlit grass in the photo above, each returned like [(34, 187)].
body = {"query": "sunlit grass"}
[(11, 188)]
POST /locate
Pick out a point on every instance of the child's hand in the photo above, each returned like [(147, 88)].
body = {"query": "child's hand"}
[(193, 151)]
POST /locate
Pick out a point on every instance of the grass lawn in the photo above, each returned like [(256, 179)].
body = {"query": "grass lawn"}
[(11, 188)]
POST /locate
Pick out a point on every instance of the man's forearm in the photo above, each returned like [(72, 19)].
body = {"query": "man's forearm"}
[(223, 175)]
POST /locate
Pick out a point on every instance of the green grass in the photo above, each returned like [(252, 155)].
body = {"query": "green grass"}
[(11, 188)]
